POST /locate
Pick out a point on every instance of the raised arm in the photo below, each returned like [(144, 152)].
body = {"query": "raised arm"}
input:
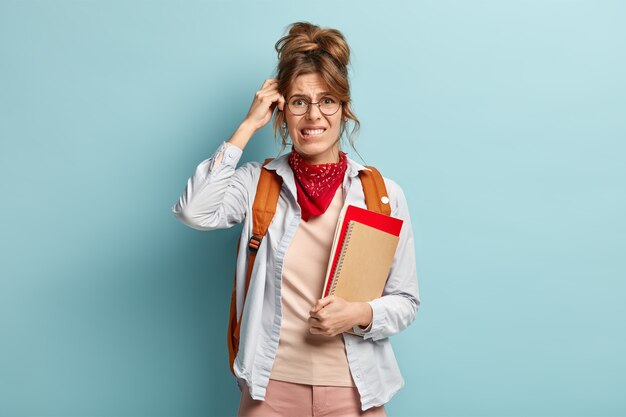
[(217, 194)]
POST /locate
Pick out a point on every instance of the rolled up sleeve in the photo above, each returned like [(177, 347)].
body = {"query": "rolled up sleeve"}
[(216, 195)]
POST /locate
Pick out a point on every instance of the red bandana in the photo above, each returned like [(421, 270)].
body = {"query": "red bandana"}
[(316, 184)]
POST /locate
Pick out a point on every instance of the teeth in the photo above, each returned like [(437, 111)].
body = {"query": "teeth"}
[(313, 131)]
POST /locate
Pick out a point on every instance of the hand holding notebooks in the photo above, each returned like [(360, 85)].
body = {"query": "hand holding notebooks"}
[(362, 254)]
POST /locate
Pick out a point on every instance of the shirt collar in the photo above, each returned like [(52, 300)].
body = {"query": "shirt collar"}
[(281, 166)]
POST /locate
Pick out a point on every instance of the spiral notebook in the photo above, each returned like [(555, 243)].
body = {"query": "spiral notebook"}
[(362, 253)]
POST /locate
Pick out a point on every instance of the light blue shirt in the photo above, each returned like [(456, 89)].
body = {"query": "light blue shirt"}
[(220, 195)]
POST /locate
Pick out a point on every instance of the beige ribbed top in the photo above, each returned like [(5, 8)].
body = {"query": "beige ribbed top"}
[(303, 357)]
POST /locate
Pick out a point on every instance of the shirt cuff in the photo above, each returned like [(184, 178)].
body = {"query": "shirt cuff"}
[(359, 331), (227, 154)]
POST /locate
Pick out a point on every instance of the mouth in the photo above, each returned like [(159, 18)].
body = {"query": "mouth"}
[(311, 133)]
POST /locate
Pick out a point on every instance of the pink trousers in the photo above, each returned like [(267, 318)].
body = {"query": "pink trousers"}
[(286, 399)]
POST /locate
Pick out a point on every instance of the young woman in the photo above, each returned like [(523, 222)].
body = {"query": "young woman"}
[(294, 356)]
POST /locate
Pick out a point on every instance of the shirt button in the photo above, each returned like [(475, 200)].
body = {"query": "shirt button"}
[(358, 376), (384, 200)]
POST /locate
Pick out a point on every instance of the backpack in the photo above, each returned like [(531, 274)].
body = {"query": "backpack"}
[(263, 210)]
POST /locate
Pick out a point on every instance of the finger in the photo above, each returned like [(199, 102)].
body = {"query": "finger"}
[(278, 101), (263, 104), (323, 302), (315, 308), (316, 315), (313, 322), (269, 85), (262, 96), (320, 330), (323, 332), (270, 90)]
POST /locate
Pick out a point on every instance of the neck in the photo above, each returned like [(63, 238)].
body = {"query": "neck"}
[(320, 160), (330, 157)]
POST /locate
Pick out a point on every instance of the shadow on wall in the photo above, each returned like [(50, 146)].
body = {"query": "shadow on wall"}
[(208, 282), (203, 263), (207, 261)]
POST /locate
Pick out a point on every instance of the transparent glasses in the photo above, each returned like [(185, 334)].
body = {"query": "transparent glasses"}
[(328, 105)]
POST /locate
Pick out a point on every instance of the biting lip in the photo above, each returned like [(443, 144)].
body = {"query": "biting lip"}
[(312, 131)]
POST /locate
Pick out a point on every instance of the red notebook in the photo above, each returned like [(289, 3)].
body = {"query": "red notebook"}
[(362, 252)]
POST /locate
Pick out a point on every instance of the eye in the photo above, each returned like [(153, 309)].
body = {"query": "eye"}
[(298, 102), (329, 100)]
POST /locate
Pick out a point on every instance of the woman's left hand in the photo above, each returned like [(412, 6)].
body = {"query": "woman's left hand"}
[(333, 315)]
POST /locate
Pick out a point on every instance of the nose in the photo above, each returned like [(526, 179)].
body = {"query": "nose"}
[(314, 112)]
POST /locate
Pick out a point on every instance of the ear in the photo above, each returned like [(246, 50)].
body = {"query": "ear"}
[(281, 103)]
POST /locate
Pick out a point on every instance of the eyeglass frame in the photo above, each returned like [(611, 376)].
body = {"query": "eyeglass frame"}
[(308, 106)]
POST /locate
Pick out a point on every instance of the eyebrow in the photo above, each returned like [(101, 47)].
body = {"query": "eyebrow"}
[(309, 97)]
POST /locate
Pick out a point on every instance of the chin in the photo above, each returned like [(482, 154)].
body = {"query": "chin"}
[(311, 151)]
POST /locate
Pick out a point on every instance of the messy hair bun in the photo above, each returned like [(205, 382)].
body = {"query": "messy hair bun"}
[(307, 49), (308, 38)]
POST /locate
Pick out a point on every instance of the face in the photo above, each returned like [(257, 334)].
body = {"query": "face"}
[(315, 135)]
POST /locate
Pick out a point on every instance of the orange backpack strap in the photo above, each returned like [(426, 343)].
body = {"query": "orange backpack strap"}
[(376, 197), (264, 206), (263, 210)]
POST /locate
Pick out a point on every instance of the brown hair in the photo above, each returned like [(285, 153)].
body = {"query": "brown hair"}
[(309, 49)]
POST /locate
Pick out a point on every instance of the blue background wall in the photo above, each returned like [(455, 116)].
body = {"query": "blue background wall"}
[(503, 121)]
